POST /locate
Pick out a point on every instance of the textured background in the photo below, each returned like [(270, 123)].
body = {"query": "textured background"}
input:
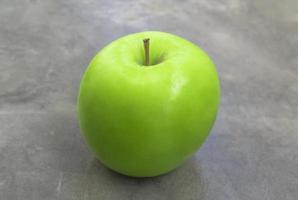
[(46, 45)]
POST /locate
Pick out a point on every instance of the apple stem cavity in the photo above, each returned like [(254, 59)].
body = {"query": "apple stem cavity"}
[(146, 47)]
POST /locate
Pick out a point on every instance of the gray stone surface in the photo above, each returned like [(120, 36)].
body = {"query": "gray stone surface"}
[(46, 45)]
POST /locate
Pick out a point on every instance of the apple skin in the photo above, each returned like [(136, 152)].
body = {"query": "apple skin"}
[(145, 121)]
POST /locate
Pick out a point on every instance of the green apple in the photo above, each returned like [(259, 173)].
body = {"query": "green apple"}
[(145, 110)]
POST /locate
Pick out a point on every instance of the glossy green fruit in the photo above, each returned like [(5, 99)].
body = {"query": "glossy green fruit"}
[(146, 120)]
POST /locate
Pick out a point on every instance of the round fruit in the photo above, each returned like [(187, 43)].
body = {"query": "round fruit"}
[(145, 119)]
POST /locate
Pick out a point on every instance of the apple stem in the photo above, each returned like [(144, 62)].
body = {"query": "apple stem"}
[(146, 47)]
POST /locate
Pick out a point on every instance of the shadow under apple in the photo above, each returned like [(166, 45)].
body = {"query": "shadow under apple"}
[(186, 182)]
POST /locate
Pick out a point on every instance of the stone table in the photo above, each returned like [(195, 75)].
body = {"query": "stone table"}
[(45, 46)]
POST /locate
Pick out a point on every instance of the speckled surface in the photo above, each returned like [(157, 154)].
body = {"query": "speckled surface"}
[(45, 46)]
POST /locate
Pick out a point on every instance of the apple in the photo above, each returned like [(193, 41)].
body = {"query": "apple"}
[(147, 102)]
